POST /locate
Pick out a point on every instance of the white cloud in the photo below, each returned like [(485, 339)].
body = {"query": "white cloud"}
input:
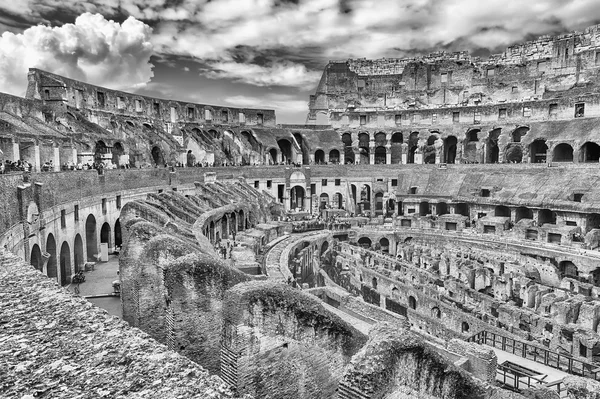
[(277, 74), (92, 49)]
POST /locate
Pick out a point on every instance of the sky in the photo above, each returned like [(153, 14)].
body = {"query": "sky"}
[(255, 53)]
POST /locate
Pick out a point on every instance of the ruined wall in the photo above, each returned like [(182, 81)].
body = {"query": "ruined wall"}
[(281, 343)]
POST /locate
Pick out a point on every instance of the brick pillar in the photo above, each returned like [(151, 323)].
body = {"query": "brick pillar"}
[(56, 158)]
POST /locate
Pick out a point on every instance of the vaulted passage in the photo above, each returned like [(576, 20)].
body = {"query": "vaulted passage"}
[(52, 271), (65, 264), (563, 153), (91, 238)]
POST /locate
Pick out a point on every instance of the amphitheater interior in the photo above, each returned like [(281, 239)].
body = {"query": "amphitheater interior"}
[(432, 231)]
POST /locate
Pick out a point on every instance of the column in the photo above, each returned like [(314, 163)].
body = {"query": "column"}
[(56, 158), (372, 151), (356, 155), (16, 151), (388, 154), (37, 165), (286, 199), (326, 156), (75, 156)]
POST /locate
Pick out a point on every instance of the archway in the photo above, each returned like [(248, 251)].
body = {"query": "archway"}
[(450, 149), (413, 141), (380, 155), (514, 153), (323, 201), (241, 220), (363, 147), (470, 154), (424, 208), (118, 236), (441, 208), (379, 203), (99, 151), (538, 151), (493, 151), (65, 264), (385, 245), (211, 232), (157, 156), (396, 148), (502, 210), (78, 253), (300, 141), (224, 228), (105, 234), (286, 151), (568, 269), (546, 216), (436, 313), (562, 153), (297, 194), (589, 152), (334, 157), (412, 302), (51, 270), (273, 156), (36, 258), (348, 151), (117, 152), (464, 327), (324, 247), (518, 133), (365, 197), (523, 212), (364, 242), (319, 157), (338, 200), (91, 238)]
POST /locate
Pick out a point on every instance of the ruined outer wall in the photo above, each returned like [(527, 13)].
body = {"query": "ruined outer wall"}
[(59, 345), (281, 343)]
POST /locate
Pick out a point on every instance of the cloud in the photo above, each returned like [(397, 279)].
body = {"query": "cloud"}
[(278, 74), (92, 49)]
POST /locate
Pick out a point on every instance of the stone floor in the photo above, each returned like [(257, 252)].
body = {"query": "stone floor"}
[(97, 287)]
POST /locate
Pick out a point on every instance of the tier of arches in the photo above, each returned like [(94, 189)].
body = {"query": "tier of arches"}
[(228, 225)]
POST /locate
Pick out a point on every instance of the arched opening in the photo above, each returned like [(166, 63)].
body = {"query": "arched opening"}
[(363, 147), (365, 197), (51, 250), (214, 134), (157, 156), (436, 313), (338, 200), (396, 148), (412, 302), (91, 238), (464, 327), (36, 258), (224, 228), (100, 151), (241, 220), (380, 139), (502, 210), (324, 247), (538, 151), (319, 157), (297, 194), (334, 157), (562, 153), (323, 201), (105, 234), (518, 133), (78, 253), (514, 153), (442, 208), (300, 141), (523, 213), (385, 245), (273, 156), (493, 151), (380, 155), (232, 224), (429, 152), (65, 264), (450, 149), (118, 236), (546, 216), (568, 269), (413, 142), (462, 208), (470, 154), (117, 152), (286, 151), (364, 242), (211, 232), (424, 208), (348, 151), (251, 141), (590, 152)]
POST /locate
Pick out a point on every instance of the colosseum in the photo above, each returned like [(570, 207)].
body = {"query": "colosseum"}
[(432, 231)]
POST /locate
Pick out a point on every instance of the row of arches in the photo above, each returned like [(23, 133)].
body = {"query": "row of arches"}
[(61, 263), (227, 226)]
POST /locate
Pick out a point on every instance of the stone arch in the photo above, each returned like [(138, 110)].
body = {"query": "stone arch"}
[(412, 302), (379, 203), (91, 238), (249, 137), (157, 156), (285, 146), (589, 152), (513, 153), (348, 150), (424, 208), (51, 270), (297, 194), (319, 157), (385, 244), (334, 156), (365, 242), (441, 208), (323, 200), (78, 259), (413, 142), (396, 148), (567, 268), (105, 234), (364, 148), (273, 156), (470, 154), (523, 212), (436, 313), (36, 259), (518, 133), (117, 153), (324, 247), (224, 227), (546, 216), (502, 210), (300, 140), (464, 327), (338, 200), (538, 151), (100, 151), (492, 149), (450, 149), (118, 234), (380, 155), (65, 264), (562, 153)]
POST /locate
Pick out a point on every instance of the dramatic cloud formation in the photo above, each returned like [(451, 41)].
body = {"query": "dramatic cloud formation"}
[(92, 49), (284, 44)]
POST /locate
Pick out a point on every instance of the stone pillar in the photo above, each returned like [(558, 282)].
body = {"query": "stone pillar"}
[(286, 199), (356, 155), (388, 153), (75, 156), (404, 160), (56, 158), (326, 156), (36, 158), (16, 151), (372, 152)]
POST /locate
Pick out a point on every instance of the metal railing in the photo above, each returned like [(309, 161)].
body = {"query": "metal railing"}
[(558, 361)]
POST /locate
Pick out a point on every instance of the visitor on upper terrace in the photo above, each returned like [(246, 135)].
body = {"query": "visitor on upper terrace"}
[(18, 166)]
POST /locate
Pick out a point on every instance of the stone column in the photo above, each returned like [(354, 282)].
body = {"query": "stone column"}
[(356, 155), (56, 158), (286, 199), (74, 156), (388, 153), (16, 151), (372, 152), (404, 160), (36, 158), (326, 156)]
